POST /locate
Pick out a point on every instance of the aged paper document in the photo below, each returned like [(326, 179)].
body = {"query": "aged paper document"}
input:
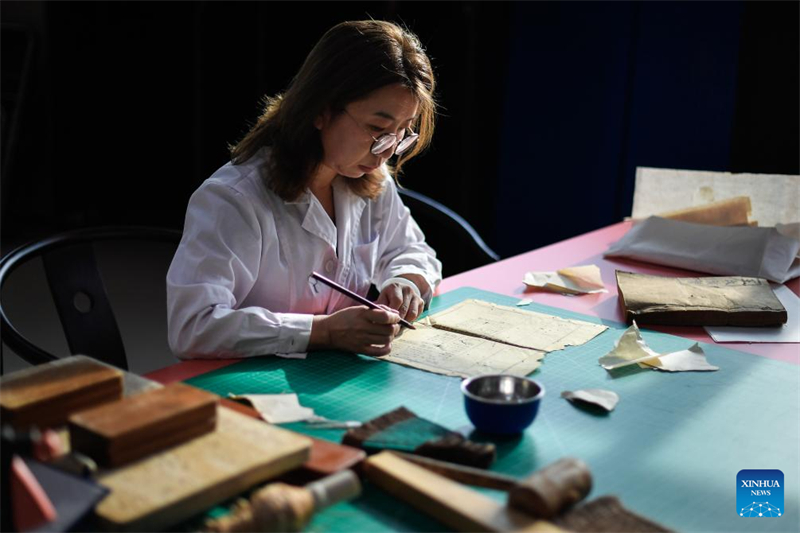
[(477, 337), (526, 329)]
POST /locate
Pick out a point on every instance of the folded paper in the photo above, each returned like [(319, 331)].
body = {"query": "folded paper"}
[(277, 408), (584, 279), (631, 349), (600, 397), (738, 251)]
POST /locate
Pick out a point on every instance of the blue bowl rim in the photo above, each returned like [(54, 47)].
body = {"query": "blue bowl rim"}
[(471, 396)]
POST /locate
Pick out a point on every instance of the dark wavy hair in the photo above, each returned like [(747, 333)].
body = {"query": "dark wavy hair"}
[(350, 61)]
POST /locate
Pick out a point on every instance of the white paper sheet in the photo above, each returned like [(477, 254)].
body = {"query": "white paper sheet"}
[(631, 349), (602, 398), (788, 333), (692, 359), (727, 251), (583, 279), (277, 408)]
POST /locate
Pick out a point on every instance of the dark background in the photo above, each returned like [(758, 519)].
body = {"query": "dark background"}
[(114, 112)]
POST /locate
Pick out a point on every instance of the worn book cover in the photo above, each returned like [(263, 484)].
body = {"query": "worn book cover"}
[(707, 301)]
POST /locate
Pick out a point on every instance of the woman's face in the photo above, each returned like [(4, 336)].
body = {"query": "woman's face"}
[(348, 137)]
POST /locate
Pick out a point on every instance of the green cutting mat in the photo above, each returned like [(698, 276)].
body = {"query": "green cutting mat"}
[(671, 449)]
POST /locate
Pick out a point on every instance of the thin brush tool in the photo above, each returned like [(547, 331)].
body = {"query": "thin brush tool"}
[(360, 299)]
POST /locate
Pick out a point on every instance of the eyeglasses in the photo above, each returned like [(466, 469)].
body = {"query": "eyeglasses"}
[(387, 141)]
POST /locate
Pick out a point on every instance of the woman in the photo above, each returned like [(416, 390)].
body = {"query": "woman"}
[(309, 189)]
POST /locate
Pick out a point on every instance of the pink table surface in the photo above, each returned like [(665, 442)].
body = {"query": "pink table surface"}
[(505, 277)]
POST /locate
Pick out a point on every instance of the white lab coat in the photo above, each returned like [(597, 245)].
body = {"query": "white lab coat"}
[(239, 282)]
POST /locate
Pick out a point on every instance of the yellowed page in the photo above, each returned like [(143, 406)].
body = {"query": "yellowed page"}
[(455, 354), (526, 329), (476, 337)]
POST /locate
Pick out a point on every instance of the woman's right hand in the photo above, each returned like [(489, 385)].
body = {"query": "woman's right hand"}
[(356, 329)]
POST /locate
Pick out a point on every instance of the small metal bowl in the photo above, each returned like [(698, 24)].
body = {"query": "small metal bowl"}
[(500, 403)]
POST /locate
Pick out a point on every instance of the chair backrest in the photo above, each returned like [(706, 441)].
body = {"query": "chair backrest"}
[(78, 291), (458, 246)]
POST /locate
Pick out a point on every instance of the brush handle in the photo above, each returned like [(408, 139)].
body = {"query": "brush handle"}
[(360, 299)]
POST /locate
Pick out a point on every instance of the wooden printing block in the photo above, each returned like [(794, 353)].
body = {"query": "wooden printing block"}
[(46, 397), (139, 425)]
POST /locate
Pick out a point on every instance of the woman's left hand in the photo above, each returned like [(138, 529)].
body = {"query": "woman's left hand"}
[(403, 299)]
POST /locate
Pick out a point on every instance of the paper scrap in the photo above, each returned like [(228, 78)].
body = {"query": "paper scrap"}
[(583, 279), (524, 302), (277, 408), (727, 251), (787, 333), (603, 398), (631, 349), (692, 359)]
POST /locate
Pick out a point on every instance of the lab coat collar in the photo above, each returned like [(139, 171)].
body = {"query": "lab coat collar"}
[(316, 221), (349, 207)]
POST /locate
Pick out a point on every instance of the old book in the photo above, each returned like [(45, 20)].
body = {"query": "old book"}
[(128, 429), (707, 301), (45, 396)]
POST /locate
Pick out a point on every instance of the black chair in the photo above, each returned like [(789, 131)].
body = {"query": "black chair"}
[(79, 293), (458, 246)]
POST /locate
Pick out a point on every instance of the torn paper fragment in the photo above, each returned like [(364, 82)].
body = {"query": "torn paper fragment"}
[(524, 302), (690, 360), (573, 280), (602, 398), (277, 408), (629, 349), (585, 276)]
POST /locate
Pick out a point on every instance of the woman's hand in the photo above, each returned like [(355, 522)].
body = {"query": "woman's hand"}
[(356, 329), (403, 299)]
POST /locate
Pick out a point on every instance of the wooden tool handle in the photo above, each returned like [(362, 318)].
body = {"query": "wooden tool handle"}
[(463, 474), (552, 489), (282, 507)]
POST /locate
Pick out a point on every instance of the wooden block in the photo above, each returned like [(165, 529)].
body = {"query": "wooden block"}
[(170, 486), (451, 503), (47, 395), (122, 431)]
